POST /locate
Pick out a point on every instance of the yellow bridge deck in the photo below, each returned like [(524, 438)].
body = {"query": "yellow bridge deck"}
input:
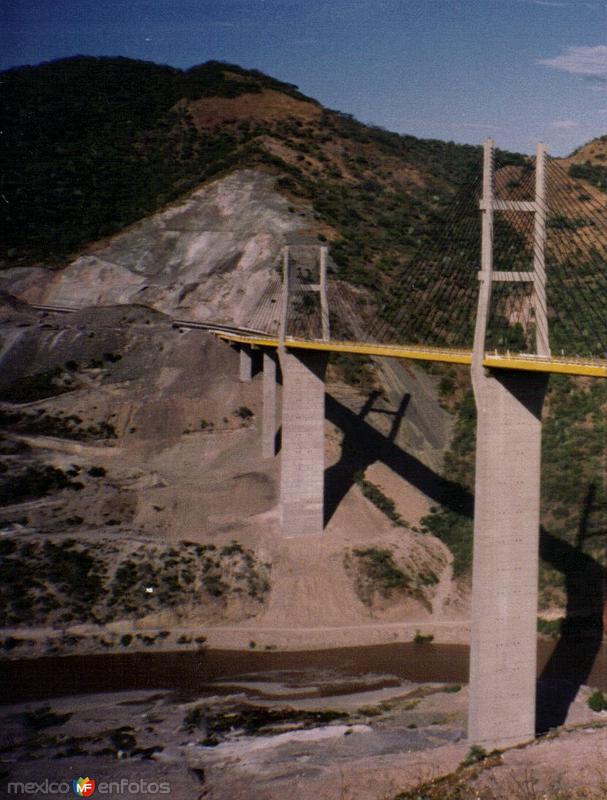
[(565, 365)]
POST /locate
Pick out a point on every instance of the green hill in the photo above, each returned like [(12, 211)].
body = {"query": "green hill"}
[(94, 144)]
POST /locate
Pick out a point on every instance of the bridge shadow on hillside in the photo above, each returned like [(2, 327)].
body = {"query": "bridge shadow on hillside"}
[(573, 658), (363, 445), (571, 662)]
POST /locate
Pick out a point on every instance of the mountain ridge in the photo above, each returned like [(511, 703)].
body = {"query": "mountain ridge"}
[(98, 143)]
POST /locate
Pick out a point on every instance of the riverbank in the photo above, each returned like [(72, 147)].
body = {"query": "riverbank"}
[(128, 637), (328, 725)]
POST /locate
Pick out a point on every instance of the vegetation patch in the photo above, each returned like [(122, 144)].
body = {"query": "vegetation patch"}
[(65, 581), (33, 481), (251, 720), (377, 574), (63, 426), (355, 370), (39, 386), (244, 413), (550, 627), (381, 568), (593, 173), (597, 702), (373, 493)]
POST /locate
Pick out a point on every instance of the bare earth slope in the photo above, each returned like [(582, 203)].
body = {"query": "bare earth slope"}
[(209, 257), (156, 480)]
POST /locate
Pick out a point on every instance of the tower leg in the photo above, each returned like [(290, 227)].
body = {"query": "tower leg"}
[(503, 651), (268, 421), (302, 453)]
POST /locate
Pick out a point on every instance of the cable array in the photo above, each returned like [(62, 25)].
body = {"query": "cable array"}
[(266, 314), (577, 265), (434, 300), (435, 303)]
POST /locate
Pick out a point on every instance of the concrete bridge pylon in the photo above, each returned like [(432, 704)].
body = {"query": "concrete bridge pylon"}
[(303, 443), (503, 646), (303, 412)]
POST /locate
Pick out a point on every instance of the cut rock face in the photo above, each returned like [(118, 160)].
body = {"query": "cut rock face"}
[(211, 257)]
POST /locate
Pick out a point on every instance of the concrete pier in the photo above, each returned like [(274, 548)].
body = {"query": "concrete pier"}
[(302, 452), (268, 420), (503, 652), (246, 364)]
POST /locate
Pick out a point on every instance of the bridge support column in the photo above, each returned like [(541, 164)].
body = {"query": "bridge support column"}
[(246, 364), (302, 451), (503, 652), (268, 420)]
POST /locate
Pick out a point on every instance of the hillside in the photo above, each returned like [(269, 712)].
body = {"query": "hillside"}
[(129, 182), (97, 143), (136, 508), (589, 163)]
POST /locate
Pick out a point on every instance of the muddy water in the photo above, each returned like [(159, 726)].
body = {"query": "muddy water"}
[(194, 671)]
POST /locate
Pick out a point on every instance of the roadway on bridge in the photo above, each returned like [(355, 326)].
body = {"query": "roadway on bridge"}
[(595, 368)]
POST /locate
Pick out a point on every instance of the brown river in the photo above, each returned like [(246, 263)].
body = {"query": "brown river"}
[(193, 672)]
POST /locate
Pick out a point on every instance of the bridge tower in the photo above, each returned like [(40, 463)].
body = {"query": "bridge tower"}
[(303, 407), (509, 403)]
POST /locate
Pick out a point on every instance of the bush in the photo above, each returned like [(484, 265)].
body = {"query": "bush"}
[(193, 718), (550, 627), (474, 755), (34, 481), (38, 386), (373, 493), (597, 702), (381, 570)]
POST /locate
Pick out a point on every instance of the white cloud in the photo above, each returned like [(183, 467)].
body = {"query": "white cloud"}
[(588, 62), (565, 124)]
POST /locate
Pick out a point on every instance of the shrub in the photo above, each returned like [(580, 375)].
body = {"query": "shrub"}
[(379, 499), (597, 702), (38, 386), (381, 569), (34, 481), (232, 549), (550, 627), (474, 755), (193, 718)]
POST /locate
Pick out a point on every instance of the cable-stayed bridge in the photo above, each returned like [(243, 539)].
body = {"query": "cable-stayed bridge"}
[(522, 284), (513, 283)]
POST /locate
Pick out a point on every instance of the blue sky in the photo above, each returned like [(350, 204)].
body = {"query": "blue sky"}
[(517, 70)]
